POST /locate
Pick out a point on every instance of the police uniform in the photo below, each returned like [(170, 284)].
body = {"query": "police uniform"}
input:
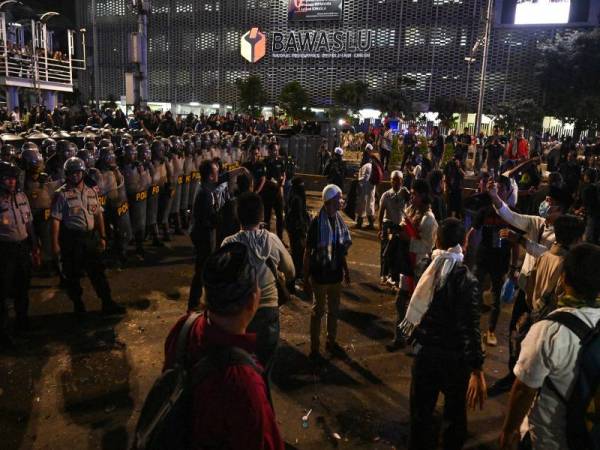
[(39, 191), (77, 210), (137, 181), (15, 248), (166, 195), (188, 168), (117, 210)]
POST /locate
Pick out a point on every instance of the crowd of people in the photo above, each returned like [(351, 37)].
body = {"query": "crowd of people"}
[(221, 179)]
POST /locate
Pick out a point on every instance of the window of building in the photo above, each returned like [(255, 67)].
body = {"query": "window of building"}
[(206, 40), (110, 8), (413, 36)]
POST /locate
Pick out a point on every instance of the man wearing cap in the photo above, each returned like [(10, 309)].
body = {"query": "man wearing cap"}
[(79, 238), (230, 406), (17, 246), (325, 267), (391, 210)]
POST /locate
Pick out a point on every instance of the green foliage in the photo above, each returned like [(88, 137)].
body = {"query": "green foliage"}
[(569, 74), (511, 115), (397, 151), (392, 102), (294, 101), (447, 107), (351, 95), (252, 95)]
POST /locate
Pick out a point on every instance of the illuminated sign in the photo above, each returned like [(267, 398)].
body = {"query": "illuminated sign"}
[(322, 44), (315, 9), (253, 45), (308, 44)]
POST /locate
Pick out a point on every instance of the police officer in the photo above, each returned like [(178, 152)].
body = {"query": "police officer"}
[(272, 193), (188, 168), (177, 159), (39, 190), (117, 207), (56, 161), (78, 237), (137, 181), (195, 175), (17, 245)]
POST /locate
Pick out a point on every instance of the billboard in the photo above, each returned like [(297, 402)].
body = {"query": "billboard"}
[(315, 9), (542, 12)]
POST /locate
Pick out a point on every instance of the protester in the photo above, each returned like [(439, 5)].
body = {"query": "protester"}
[(418, 231), (369, 176), (267, 255), (335, 170), (549, 361), (391, 210), (230, 407), (443, 320), (493, 254), (454, 176), (297, 223), (325, 267)]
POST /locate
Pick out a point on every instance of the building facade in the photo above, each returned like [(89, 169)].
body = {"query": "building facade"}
[(195, 48)]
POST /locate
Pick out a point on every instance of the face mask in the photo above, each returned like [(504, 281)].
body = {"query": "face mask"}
[(544, 209)]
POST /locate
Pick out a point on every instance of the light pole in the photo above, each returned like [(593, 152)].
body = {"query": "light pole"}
[(142, 9), (95, 55), (486, 47)]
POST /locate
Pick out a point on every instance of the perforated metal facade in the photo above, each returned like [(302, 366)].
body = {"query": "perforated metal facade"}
[(194, 50)]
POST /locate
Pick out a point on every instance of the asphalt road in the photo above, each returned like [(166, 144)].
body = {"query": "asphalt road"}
[(80, 384)]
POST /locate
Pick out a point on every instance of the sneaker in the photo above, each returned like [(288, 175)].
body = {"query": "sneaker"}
[(382, 280), (111, 307), (491, 339)]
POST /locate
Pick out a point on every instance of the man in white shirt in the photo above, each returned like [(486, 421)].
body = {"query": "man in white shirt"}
[(537, 239), (391, 211), (551, 351), (365, 202)]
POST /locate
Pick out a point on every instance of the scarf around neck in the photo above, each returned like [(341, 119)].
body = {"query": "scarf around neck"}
[(432, 280), (330, 236)]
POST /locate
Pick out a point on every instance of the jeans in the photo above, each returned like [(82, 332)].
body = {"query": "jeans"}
[(325, 295), (266, 326), (438, 371), (273, 201), (387, 228), (497, 272)]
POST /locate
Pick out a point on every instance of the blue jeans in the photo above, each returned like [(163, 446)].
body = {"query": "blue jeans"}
[(266, 326)]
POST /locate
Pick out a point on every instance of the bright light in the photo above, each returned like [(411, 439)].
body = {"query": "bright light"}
[(216, 105), (194, 104), (341, 122), (369, 113), (542, 11)]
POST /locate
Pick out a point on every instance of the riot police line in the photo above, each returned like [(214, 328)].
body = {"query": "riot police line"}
[(145, 186)]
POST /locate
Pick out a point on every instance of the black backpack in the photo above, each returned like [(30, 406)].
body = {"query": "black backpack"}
[(583, 405), (165, 419)]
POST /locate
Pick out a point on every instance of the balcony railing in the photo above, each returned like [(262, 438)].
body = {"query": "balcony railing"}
[(36, 69)]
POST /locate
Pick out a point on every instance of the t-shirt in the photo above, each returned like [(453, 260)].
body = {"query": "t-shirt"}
[(257, 170), (323, 271), (490, 224), (394, 203), (550, 350)]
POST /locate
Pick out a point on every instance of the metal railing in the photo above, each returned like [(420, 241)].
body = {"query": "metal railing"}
[(35, 68)]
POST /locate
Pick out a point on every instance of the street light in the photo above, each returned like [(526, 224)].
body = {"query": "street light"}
[(10, 2), (44, 18)]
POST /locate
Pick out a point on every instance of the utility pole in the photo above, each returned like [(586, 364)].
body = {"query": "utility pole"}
[(486, 47), (95, 55), (140, 54)]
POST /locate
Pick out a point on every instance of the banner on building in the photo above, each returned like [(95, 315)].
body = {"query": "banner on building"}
[(315, 9)]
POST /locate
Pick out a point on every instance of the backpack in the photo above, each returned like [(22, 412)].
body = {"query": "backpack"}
[(376, 172), (583, 406), (165, 419)]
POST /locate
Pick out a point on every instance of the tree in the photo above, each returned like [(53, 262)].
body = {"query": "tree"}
[(393, 102), (294, 101), (526, 113), (351, 95), (569, 75), (447, 107), (252, 94)]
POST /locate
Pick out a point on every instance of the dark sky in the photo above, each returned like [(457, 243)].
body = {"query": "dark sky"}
[(65, 7)]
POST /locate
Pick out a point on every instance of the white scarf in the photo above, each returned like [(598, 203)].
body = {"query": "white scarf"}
[(433, 279)]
